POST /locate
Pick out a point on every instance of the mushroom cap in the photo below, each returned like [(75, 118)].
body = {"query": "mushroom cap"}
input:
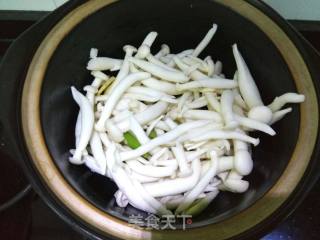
[(261, 113), (143, 51), (243, 162), (127, 48)]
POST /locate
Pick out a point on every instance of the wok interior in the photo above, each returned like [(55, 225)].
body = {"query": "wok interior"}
[(181, 24)]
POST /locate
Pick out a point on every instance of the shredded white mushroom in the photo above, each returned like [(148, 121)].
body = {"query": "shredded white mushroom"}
[(171, 131)]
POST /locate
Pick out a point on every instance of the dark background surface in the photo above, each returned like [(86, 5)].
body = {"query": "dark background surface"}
[(32, 219)]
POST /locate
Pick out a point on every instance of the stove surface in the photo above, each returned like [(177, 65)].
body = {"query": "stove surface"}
[(32, 219)]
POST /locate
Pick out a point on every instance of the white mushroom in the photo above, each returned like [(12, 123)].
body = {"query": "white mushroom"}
[(204, 43), (138, 131), (218, 68), (144, 49), (219, 134), (160, 72), (121, 199), (279, 102), (160, 208), (227, 99), (277, 116), (211, 66), (104, 63), (152, 93), (93, 52), (160, 85), (164, 51), (249, 90), (179, 153), (175, 135), (87, 122), (256, 125), (99, 74), (207, 83), (98, 153), (124, 70), (151, 171), (213, 101), (146, 116), (243, 163), (202, 115)]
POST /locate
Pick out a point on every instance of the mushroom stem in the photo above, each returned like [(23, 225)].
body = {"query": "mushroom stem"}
[(196, 62), (172, 124), (138, 131), (114, 132), (256, 125), (142, 178), (202, 115), (156, 61), (199, 131), (152, 93), (160, 208), (238, 99), (201, 185), (182, 161), (146, 116), (151, 171), (175, 186), (160, 72), (97, 152), (124, 70), (212, 101), (205, 41), (247, 86), (227, 99), (218, 68), (104, 139), (211, 67), (218, 134), (124, 182), (163, 51), (93, 53), (165, 138), (207, 83), (144, 49), (87, 122), (279, 102), (279, 115), (198, 103), (236, 185), (121, 199), (183, 99), (159, 85), (104, 63)]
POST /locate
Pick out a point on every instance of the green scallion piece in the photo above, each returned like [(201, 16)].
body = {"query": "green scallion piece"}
[(153, 134), (131, 140)]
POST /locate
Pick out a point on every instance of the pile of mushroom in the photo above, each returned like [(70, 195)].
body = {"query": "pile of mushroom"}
[(170, 129)]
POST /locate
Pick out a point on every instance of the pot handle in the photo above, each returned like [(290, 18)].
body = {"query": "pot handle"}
[(13, 69), (9, 95)]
